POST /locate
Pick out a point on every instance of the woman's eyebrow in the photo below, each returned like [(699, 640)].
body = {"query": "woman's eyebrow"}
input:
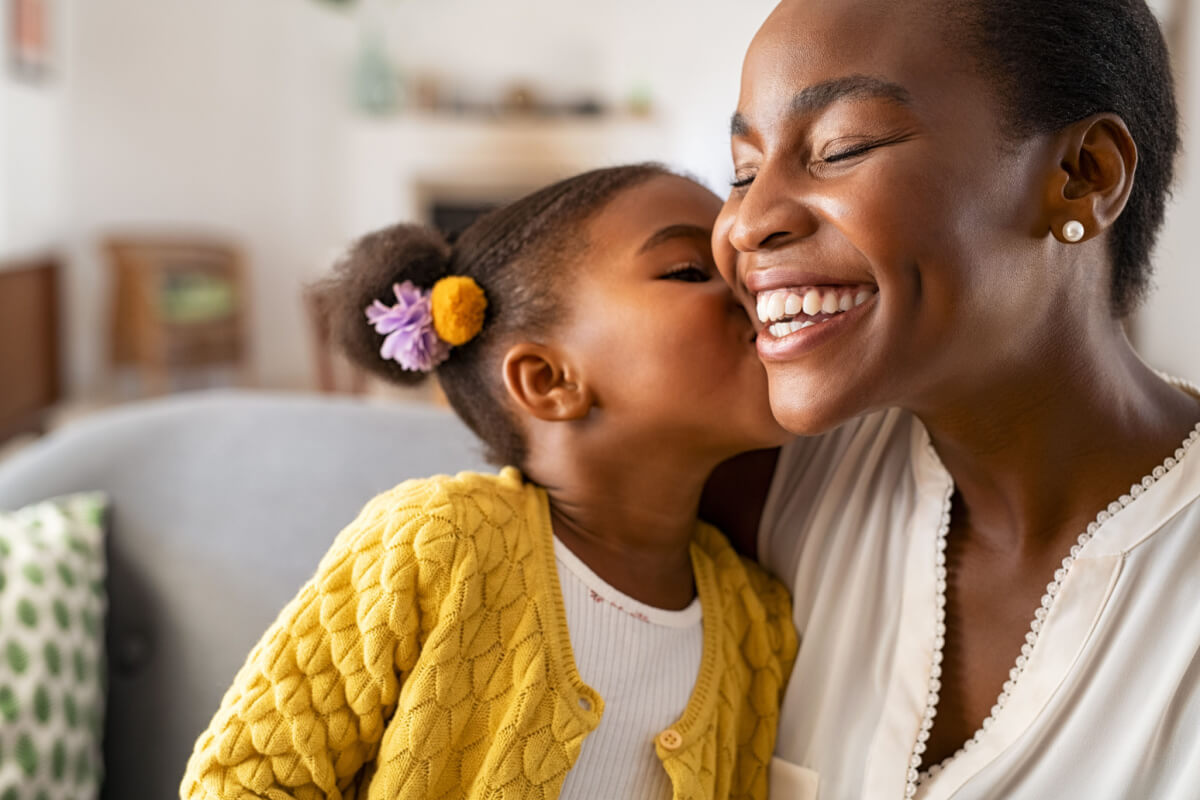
[(670, 232), (824, 94)]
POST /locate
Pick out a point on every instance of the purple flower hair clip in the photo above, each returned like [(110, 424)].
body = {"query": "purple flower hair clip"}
[(412, 342)]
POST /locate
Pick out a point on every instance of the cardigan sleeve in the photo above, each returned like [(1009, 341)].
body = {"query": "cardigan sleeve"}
[(307, 711)]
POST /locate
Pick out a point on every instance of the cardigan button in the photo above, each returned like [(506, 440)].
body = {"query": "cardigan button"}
[(670, 739)]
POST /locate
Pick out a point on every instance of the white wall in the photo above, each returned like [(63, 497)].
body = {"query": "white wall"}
[(689, 53), (32, 128), (203, 117), (224, 116), (6, 122), (1168, 329)]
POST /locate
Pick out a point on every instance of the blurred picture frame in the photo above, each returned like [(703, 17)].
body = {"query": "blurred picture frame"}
[(29, 39)]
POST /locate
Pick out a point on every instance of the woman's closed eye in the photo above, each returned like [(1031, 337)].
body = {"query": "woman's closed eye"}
[(841, 150), (849, 152), (838, 151)]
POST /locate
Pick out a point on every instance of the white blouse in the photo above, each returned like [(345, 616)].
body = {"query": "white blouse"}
[(1108, 702)]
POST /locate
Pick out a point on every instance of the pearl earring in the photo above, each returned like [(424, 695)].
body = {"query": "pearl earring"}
[(1073, 231)]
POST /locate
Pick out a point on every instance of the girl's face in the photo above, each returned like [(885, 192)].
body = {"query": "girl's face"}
[(666, 347), (880, 226)]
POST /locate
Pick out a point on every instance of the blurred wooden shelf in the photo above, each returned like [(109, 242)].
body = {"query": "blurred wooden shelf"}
[(178, 304)]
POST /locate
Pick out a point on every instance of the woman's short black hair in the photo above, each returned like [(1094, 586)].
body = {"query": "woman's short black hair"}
[(521, 255), (1056, 62)]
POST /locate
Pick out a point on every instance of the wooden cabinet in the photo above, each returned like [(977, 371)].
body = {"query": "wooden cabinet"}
[(30, 360)]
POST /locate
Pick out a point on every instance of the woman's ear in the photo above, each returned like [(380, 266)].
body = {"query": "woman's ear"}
[(541, 381), (1097, 161)]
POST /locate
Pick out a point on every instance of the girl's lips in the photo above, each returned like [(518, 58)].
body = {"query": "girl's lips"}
[(787, 348)]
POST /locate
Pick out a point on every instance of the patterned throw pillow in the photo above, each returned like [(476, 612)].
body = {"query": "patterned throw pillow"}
[(52, 601)]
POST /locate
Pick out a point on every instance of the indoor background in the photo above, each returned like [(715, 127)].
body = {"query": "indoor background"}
[(172, 173)]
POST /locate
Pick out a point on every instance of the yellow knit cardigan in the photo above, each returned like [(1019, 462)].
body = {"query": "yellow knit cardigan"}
[(429, 658)]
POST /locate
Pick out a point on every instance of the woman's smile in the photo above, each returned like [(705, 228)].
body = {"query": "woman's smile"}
[(798, 318), (862, 229)]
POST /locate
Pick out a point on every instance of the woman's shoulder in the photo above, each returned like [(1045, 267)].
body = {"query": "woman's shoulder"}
[(874, 433), (830, 466), (746, 495), (822, 482)]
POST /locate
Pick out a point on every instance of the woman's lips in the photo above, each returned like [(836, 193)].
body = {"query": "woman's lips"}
[(801, 306), (790, 330), (764, 279)]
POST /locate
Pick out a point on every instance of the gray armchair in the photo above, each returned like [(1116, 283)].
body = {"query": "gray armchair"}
[(223, 503)]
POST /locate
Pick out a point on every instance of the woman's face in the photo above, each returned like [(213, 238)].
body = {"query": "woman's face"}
[(881, 227), (664, 344)]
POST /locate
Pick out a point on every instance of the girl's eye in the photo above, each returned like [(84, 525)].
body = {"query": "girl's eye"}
[(689, 273)]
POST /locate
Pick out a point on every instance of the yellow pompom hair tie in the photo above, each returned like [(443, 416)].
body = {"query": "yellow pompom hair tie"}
[(457, 304)]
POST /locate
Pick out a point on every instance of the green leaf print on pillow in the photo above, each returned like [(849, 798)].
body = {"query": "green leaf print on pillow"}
[(52, 605)]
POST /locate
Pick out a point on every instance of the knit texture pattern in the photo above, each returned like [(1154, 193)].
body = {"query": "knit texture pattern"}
[(429, 658)]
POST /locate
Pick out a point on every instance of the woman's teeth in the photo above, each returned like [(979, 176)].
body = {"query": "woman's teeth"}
[(785, 311)]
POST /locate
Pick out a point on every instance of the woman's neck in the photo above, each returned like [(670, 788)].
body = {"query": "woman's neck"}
[(629, 517), (1035, 456)]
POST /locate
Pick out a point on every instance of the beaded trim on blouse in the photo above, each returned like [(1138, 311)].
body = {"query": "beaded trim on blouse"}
[(915, 773)]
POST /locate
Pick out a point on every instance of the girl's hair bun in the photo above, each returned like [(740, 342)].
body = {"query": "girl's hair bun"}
[(509, 268), (367, 273)]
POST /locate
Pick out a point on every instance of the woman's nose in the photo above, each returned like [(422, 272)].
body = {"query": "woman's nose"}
[(770, 213)]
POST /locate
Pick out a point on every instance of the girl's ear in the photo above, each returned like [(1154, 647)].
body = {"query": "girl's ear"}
[(542, 382), (1091, 185)]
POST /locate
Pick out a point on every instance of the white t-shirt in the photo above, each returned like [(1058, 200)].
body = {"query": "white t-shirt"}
[(1108, 705), (644, 662)]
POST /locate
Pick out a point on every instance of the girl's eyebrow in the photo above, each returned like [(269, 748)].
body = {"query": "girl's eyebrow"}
[(681, 231), (821, 95)]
